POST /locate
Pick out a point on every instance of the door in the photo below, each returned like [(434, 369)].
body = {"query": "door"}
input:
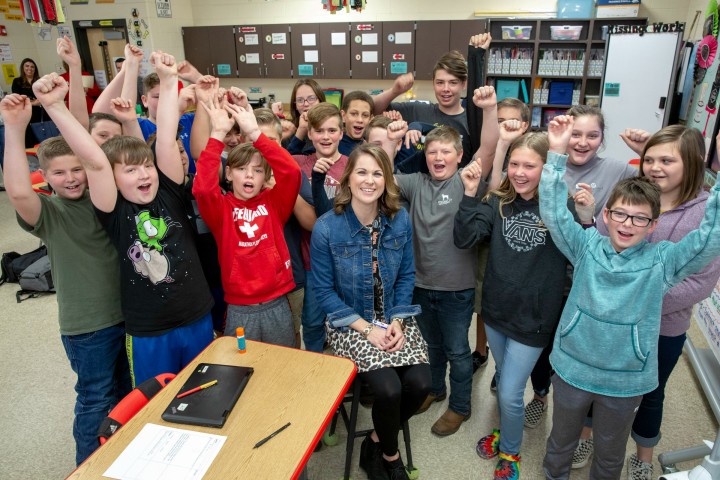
[(627, 102), (105, 44), (249, 51), (335, 50), (276, 51), (432, 39), (306, 50), (221, 51), (398, 48), (366, 50), (196, 44)]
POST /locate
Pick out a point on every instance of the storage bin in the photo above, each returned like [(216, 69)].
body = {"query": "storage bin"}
[(575, 8), (517, 32), (565, 32), (617, 8), (561, 92)]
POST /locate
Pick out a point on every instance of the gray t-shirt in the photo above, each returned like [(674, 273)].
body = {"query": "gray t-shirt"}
[(439, 264), (600, 173), (430, 113)]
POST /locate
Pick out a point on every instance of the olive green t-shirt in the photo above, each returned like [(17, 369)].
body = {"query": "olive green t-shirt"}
[(85, 265)]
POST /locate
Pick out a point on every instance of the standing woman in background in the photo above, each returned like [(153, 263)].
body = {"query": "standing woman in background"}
[(23, 85)]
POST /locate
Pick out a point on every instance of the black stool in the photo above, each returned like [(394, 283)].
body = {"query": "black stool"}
[(350, 421)]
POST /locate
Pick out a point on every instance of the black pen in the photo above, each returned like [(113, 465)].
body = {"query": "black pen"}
[(265, 440)]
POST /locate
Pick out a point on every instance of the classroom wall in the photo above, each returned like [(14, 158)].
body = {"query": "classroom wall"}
[(165, 32)]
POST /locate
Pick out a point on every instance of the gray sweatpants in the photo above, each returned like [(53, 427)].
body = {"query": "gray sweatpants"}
[(269, 322), (612, 421)]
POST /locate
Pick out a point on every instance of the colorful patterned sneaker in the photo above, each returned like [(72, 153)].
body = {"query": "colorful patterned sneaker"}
[(508, 467), (582, 453), (487, 446), (639, 470), (534, 413)]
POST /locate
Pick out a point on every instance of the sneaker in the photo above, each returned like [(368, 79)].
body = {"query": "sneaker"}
[(639, 470), (448, 423), (534, 413), (508, 467), (396, 469), (429, 400), (582, 453), (479, 360), (371, 460), (487, 446)]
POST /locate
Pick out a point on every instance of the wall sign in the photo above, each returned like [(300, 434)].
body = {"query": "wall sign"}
[(163, 8)]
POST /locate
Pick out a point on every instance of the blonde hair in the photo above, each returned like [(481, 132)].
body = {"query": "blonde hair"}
[(51, 148), (535, 141), (321, 112), (127, 150)]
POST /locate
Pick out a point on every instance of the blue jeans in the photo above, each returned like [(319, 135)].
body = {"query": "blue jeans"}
[(646, 426), (444, 323), (103, 379), (513, 363), (313, 319)]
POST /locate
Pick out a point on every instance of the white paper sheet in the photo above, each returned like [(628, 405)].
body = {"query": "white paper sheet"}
[(308, 40), (370, 57), (166, 453), (252, 58), (279, 39), (251, 39), (311, 56), (403, 38), (337, 38), (369, 38)]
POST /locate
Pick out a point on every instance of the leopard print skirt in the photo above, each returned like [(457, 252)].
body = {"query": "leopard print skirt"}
[(353, 345)]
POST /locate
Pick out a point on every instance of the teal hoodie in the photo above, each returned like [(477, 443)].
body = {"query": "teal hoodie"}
[(606, 342)]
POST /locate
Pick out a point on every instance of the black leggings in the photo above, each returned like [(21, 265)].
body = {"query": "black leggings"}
[(399, 392)]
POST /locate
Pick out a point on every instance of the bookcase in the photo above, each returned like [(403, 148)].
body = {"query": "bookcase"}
[(550, 64)]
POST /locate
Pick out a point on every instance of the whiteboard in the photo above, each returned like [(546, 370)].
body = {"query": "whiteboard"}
[(639, 71)]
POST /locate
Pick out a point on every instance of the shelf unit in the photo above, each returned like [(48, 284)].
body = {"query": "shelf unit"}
[(575, 67)]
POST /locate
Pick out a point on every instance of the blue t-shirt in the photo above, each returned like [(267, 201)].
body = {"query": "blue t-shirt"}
[(186, 121)]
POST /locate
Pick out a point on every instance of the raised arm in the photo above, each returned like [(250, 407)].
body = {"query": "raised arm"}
[(509, 131), (166, 148), (124, 110), (473, 220), (477, 49), (51, 91), (188, 73), (131, 67), (402, 84), (78, 105), (569, 236), (485, 99), (205, 93), (635, 139), (16, 112), (113, 90)]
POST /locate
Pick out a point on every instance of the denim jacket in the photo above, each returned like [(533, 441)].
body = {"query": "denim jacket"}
[(341, 258)]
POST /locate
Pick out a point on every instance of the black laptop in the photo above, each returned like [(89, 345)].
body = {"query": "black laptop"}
[(211, 406)]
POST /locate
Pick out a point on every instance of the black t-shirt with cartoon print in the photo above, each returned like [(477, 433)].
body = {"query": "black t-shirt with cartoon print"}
[(162, 280)]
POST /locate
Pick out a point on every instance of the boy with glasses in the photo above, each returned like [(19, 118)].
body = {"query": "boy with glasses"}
[(605, 352)]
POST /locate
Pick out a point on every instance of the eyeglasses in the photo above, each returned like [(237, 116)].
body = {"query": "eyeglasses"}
[(636, 220), (309, 100)]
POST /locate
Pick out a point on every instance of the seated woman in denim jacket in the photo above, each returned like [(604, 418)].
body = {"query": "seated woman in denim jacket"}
[(364, 273)]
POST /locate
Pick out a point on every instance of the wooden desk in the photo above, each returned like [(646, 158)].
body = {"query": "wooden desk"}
[(288, 385)]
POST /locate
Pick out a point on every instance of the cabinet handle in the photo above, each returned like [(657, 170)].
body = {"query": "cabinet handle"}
[(377, 72), (323, 73), (266, 72), (213, 69), (260, 71), (384, 72), (207, 70)]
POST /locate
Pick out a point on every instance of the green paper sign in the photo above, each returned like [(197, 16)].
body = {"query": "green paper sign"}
[(612, 89), (305, 70), (223, 69), (398, 68)]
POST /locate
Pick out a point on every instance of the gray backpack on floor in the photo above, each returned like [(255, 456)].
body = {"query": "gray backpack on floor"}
[(31, 271)]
